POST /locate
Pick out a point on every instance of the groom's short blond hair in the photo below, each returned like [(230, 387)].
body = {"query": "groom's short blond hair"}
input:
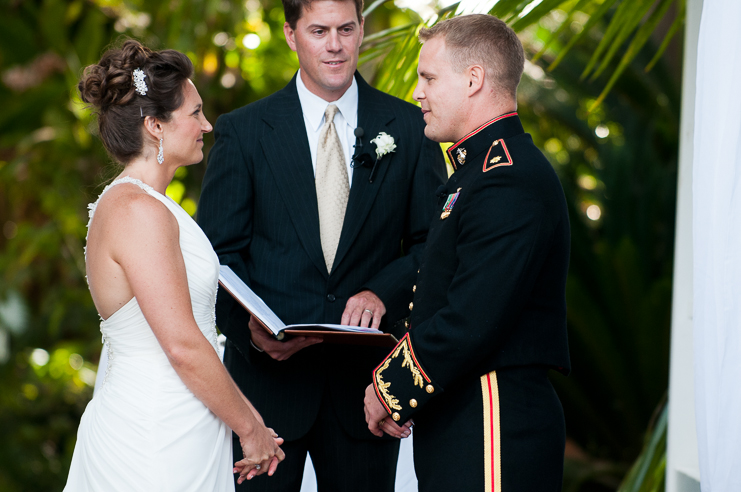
[(480, 39)]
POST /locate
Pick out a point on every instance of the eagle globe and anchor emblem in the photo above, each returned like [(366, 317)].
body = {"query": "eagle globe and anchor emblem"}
[(461, 155)]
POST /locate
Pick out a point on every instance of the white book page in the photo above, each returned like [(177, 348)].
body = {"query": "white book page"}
[(257, 307), (353, 329), (239, 290)]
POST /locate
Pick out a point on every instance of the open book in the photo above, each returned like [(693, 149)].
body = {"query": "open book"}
[(353, 335)]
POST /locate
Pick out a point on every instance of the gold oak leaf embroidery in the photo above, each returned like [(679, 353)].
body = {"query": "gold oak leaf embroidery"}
[(409, 363), (391, 400)]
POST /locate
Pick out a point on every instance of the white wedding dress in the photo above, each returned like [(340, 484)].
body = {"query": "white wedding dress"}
[(145, 430)]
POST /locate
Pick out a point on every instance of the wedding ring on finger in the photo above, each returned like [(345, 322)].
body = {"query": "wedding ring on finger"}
[(258, 467), (381, 422), (369, 312)]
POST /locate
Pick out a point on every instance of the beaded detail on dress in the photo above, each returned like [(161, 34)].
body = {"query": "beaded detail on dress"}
[(111, 356)]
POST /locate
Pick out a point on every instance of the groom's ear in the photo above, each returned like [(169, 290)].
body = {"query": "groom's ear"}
[(290, 36), (476, 76)]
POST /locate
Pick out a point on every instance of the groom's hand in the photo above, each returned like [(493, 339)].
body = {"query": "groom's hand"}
[(364, 309), (275, 349), (379, 421)]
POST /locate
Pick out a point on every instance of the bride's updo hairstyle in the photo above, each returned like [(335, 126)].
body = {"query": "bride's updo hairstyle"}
[(109, 88)]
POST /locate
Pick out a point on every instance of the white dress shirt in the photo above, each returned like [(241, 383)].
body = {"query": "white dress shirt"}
[(345, 121)]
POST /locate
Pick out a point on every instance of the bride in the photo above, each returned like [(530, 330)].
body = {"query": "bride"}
[(163, 417)]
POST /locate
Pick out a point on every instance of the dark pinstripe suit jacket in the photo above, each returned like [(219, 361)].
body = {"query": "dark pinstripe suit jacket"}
[(259, 209)]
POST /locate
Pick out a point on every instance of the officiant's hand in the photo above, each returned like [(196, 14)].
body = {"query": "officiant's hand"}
[(262, 453), (364, 309), (379, 421), (275, 349)]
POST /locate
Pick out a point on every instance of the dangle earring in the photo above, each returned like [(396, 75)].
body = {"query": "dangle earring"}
[(161, 154)]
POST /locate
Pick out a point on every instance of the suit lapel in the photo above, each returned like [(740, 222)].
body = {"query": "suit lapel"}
[(286, 150), (373, 118)]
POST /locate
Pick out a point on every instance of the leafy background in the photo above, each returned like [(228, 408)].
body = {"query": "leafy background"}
[(609, 127)]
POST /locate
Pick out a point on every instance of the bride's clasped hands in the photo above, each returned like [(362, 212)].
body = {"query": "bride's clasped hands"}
[(261, 451)]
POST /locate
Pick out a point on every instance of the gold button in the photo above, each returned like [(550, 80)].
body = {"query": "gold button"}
[(430, 389), (411, 306), (413, 403), (406, 324), (414, 289), (396, 416)]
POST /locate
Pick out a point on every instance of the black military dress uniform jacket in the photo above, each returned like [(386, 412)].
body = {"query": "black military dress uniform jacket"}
[(487, 320)]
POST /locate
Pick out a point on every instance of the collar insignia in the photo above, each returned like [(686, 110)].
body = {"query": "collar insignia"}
[(461, 155)]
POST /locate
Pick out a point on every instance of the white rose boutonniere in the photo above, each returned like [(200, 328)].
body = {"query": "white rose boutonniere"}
[(384, 144)]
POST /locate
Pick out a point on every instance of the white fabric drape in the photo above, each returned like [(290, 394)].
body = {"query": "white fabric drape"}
[(717, 246)]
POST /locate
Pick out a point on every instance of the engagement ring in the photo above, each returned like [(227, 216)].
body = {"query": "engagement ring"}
[(257, 467)]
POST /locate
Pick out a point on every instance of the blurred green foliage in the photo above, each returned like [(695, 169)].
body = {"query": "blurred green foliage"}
[(617, 165)]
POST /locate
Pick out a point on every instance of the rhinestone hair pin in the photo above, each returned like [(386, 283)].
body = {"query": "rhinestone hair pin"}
[(139, 84)]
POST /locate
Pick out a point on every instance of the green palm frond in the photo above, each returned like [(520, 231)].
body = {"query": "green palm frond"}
[(398, 70), (542, 9), (593, 20), (647, 473), (630, 25)]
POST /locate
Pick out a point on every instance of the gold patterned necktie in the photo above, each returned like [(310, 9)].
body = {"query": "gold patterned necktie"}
[(332, 186)]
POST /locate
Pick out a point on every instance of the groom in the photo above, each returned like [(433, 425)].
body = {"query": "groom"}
[(321, 241), (489, 318)]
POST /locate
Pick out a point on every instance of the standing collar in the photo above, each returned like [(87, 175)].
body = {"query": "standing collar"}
[(314, 106), (479, 140)]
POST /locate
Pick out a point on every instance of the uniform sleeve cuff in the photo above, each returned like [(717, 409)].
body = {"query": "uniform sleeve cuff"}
[(401, 383)]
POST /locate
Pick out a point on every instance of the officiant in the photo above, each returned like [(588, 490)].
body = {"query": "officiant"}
[(319, 197), (489, 312)]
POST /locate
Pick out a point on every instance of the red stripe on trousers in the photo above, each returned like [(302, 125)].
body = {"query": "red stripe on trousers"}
[(491, 433)]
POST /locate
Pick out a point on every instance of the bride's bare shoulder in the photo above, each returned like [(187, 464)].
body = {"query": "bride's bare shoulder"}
[(126, 206)]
